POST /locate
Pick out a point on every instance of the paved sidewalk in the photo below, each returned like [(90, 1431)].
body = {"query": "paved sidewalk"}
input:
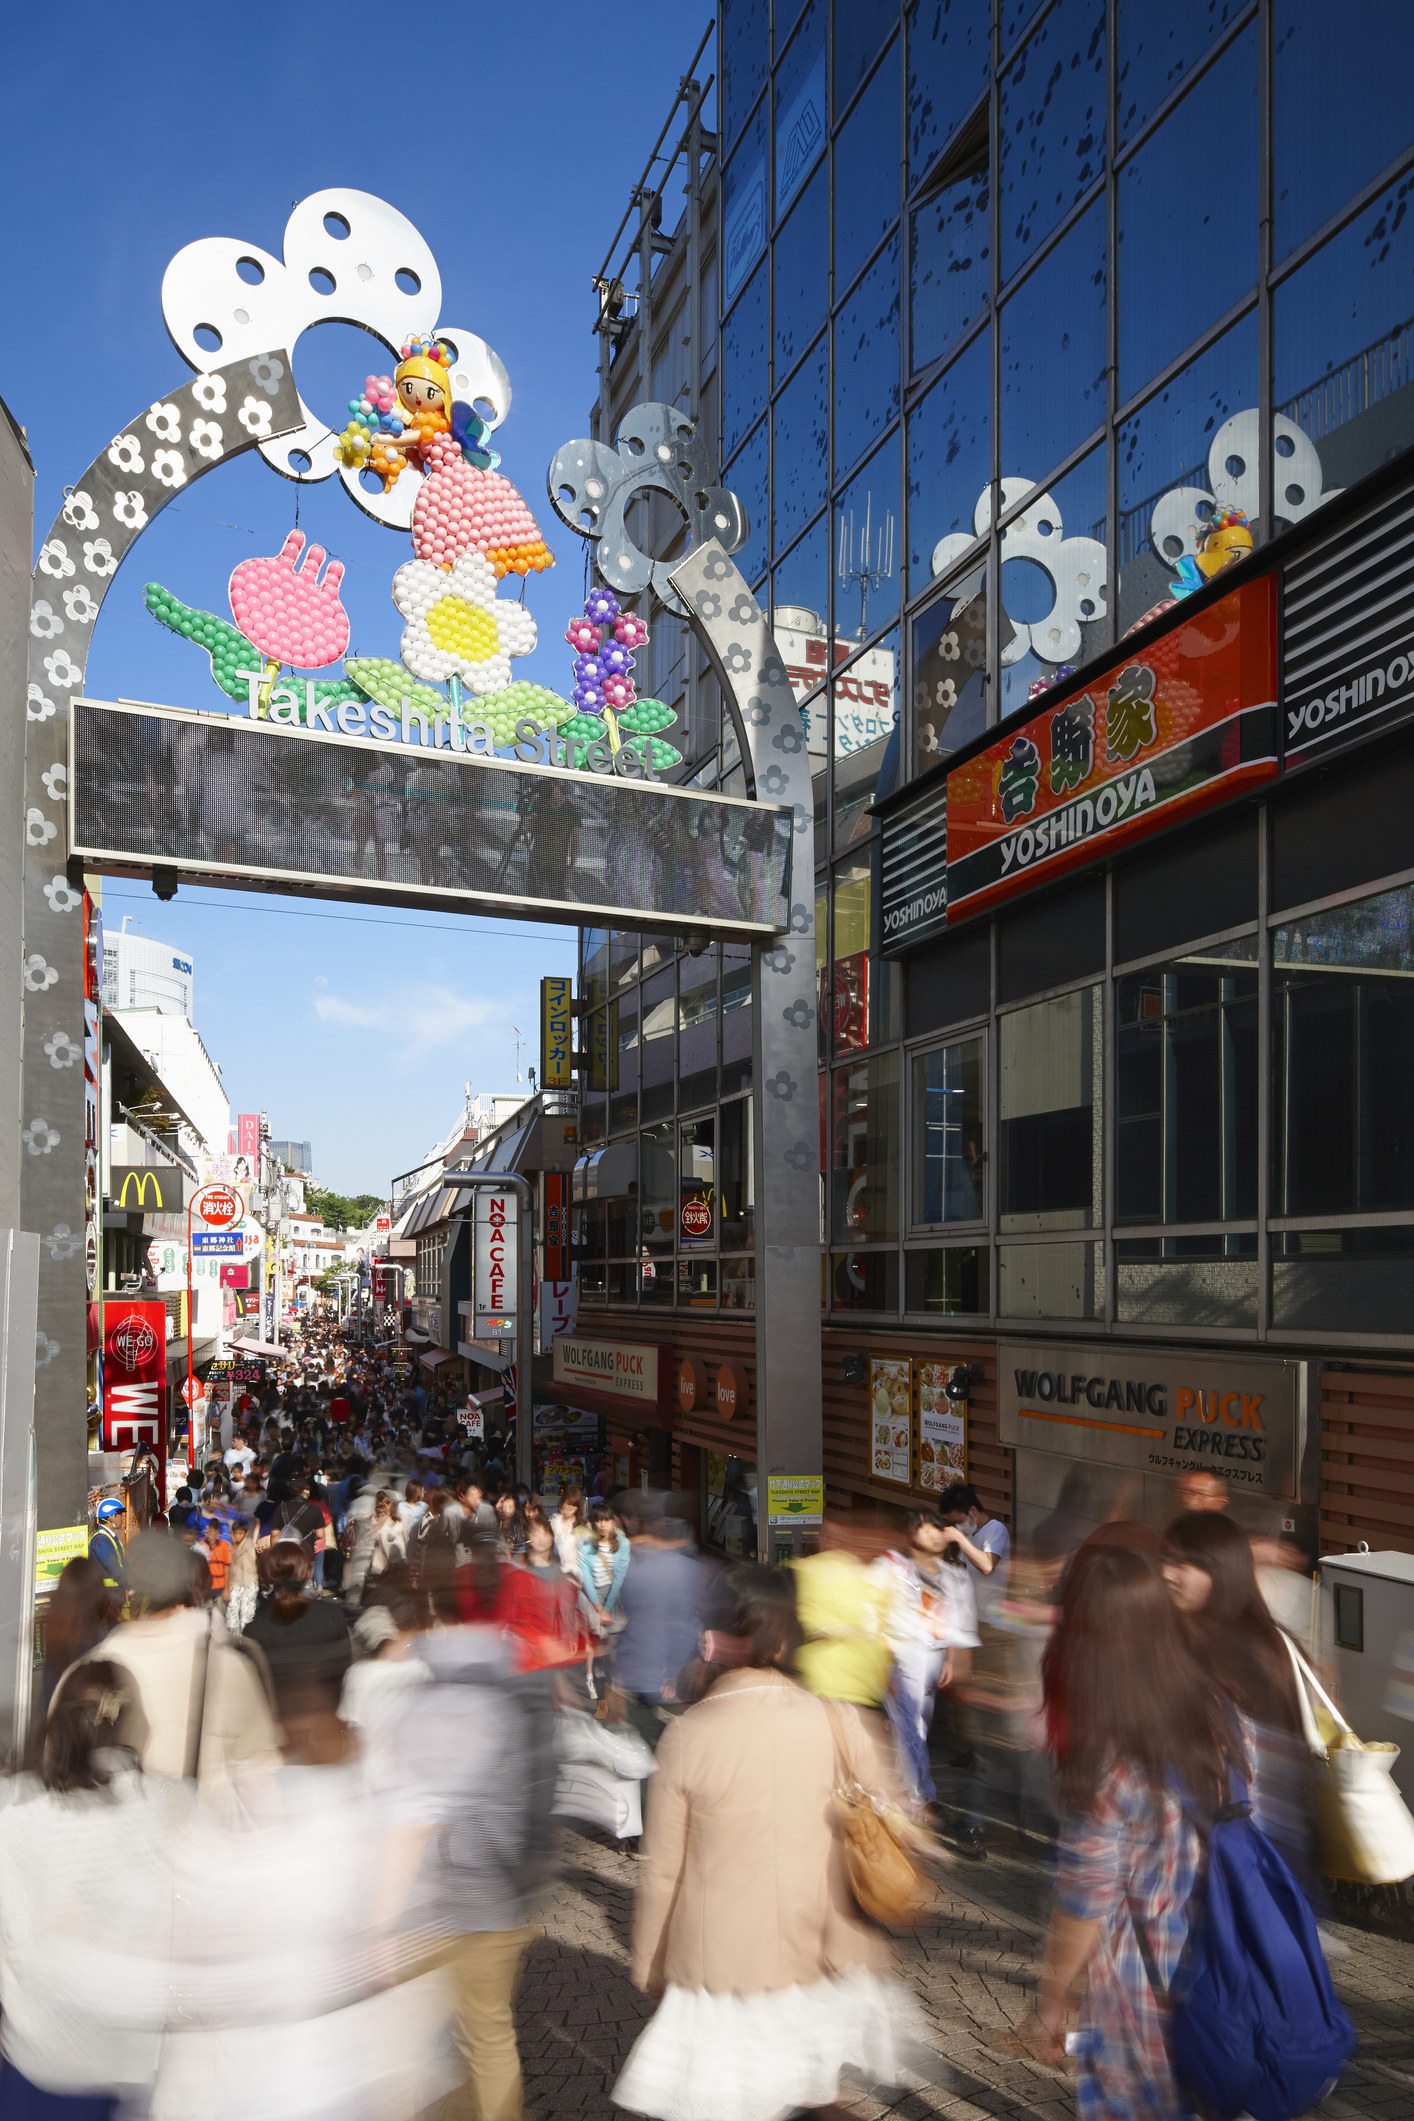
[(973, 1970)]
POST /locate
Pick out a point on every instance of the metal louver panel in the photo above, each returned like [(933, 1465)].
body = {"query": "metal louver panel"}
[(1348, 633), (914, 879)]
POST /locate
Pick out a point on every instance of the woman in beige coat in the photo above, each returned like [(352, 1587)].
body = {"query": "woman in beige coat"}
[(771, 1983)]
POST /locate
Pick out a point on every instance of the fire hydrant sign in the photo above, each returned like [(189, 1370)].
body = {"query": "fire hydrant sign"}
[(495, 1226), (219, 1206)]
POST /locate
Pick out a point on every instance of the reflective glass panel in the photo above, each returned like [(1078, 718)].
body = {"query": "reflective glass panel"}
[(1187, 1281), (697, 1027), (1343, 1061), (802, 121), (745, 26), (744, 366), (860, 29), (736, 1017), (955, 1279), (949, 462), (867, 173), (1193, 445), (1055, 595), (949, 1134), (657, 1188), (950, 671), (1053, 353), (594, 965), (1051, 1281), (1050, 1135), (1343, 1281), (1186, 1094), (1340, 107), (734, 1174), (1204, 229), (865, 1134), (949, 57), (1052, 126), (623, 1061), (866, 547), (949, 260), (801, 585), (865, 696), (744, 207), (802, 258), (697, 1187), (866, 359), (1343, 355), (864, 1281), (848, 983), (1157, 50), (746, 477), (802, 419)]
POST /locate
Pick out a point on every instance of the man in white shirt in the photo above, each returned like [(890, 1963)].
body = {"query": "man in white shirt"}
[(239, 1459), (960, 1506), (929, 1616)]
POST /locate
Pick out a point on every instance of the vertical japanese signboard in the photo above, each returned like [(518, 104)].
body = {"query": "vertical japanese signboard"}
[(248, 1137), (557, 1226), (134, 1376), (494, 1222), (556, 1033), (891, 1420)]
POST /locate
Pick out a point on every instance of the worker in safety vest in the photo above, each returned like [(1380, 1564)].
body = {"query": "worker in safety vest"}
[(106, 1546)]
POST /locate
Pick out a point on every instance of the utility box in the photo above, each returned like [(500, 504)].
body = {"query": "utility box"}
[(1367, 1606)]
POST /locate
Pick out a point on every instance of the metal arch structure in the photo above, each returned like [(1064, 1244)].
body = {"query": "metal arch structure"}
[(164, 447)]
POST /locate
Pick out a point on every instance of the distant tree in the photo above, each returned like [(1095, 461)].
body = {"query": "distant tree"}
[(342, 1211)]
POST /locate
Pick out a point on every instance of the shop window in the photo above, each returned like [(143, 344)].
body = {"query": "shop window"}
[(1204, 274), (697, 1187), (731, 1505), (697, 1284), (747, 477), (802, 117), (592, 1280), (1343, 1058), (621, 1282), (950, 248), (593, 1119), (845, 985), (1198, 885), (1050, 1134), (1055, 599), (1053, 354), (657, 1188), (697, 1028), (745, 345), (1058, 937), (736, 1192), (1158, 49), (1192, 448), (621, 1209), (950, 671), (1187, 1281), (738, 1284), (745, 25), (1343, 829), (802, 422), (1343, 1281), (1186, 1093), (949, 983), (867, 361), (744, 204), (1052, 126), (864, 1281), (949, 60), (623, 1048), (801, 263), (949, 1134), (950, 463), (1051, 1281), (950, 1281), (866, 1149), (736, 1017), (867, 159), (1328, 57), (1343, 355)]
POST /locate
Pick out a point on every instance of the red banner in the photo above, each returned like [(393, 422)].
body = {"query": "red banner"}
[(248, 1137), (135, 1377), (557, 1226), (1188, 722)]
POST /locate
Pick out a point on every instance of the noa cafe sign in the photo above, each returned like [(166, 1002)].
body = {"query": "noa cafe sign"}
[(1159, 1411)]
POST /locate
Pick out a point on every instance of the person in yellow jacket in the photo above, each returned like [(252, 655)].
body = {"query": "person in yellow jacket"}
[(841, 1610)]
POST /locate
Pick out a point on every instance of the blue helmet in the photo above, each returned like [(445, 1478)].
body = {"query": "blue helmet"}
[(109, 1509)]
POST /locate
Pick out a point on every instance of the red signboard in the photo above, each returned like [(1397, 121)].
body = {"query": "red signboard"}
[(557, 1226), (235, 1274), (219, 1206), (1183, 724), (248, 1136), (134, 1376), (697, 1217)]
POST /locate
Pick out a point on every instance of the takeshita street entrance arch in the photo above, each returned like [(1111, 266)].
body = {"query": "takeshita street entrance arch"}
[(432, 777)]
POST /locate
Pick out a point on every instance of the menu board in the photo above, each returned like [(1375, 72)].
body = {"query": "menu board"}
[(891, 1422), (942, 1430)]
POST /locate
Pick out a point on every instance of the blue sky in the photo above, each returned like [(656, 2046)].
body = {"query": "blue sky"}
[(510, 136)]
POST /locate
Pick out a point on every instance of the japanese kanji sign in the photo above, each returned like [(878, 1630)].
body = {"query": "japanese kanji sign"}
[(1188, 722)]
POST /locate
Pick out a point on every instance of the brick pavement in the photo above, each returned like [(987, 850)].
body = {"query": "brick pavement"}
[(973, 1970)]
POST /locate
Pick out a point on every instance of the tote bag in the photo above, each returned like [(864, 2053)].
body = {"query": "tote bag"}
[(1366, 1833)]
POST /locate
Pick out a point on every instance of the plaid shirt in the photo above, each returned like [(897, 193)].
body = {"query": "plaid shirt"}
[(1134, 1849)]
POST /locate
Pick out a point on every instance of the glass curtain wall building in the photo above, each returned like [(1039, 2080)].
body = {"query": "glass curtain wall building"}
[(1028, 321)]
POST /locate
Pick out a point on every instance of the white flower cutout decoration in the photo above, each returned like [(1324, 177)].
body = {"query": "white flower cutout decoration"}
[(40, 976), (79, 511), (62, 668), (62, 1050), (62, 1242), (165, 421), (39, 829), (80, 605), (130, 510), (44, 620), (56, 780), (39, 1137), (167, 466), (39, 707), (123, 451), (205, 439), (54, 559), (210, 393), (98, 557), (456, 628), (255, 418), (61, 894)]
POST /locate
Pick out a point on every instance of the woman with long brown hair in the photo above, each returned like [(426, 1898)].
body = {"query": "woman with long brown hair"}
[(1143, 1739), (1207, 1564), (81, 1611)]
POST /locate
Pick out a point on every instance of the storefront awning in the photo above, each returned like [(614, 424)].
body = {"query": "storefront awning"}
[(609, 1174), (434, 1357), (487, 1399), (266, 1349)]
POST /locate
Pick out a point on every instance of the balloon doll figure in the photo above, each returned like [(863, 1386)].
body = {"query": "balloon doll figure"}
[(412, 418)]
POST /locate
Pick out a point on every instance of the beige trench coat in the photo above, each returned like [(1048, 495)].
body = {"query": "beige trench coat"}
[(745, 1889)]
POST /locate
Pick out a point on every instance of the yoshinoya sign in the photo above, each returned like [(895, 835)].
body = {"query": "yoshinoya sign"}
[(1348, 634), (913, 896), (1160, 1411), (1186, 723), (624, 1369)]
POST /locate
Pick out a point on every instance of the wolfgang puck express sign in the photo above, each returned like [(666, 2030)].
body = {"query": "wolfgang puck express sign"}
[(1186, 723)]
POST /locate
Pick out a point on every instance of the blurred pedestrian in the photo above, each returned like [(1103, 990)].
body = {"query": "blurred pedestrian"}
[(305, 1642), (1143, 1738), (82, 1608), (571, 1530), (243, 1579), (388, 1546), (770, 1985), (930, 1624), (603, 1560), (662, 1597)]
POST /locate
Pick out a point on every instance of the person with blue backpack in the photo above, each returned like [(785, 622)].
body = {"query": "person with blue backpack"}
[(1191, 1947)]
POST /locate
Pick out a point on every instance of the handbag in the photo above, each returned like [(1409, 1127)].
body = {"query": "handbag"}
[(886, 1883), (1365, 1831)]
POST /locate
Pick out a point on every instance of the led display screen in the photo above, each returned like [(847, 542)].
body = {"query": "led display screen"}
[(250, 802)]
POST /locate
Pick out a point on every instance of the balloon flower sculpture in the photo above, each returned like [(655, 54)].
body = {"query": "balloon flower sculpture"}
[(287, 612), (604, 639)]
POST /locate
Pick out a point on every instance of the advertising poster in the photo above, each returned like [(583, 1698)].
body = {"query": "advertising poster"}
[(942, 1430), (795, 1498), (52, 1550), (891, 1422), (134, 1376)]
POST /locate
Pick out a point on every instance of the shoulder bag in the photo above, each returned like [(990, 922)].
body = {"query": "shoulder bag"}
[(1366, 1833), (885, 1881)]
